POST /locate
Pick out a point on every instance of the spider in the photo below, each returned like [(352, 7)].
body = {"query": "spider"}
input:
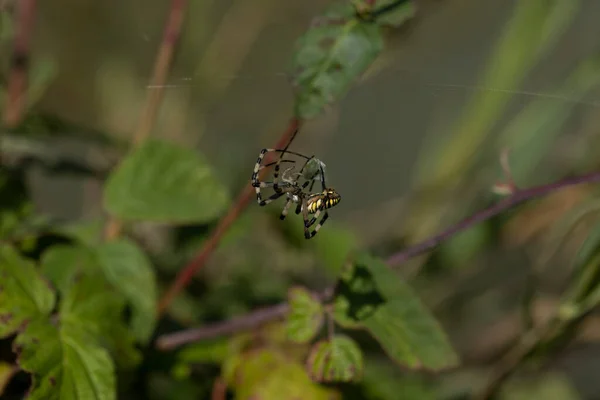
[(306, 203)]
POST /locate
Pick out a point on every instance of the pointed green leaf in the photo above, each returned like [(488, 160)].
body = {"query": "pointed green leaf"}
[(163, 182), (24, 294), (128, 269), (330, 56), (305, 317), (374, 297), (336, 360), (66, 363)]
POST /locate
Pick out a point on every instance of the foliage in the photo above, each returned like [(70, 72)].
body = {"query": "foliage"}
[(79, 305)]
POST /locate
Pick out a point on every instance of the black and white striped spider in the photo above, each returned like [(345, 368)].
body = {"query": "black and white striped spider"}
[(288, 184)]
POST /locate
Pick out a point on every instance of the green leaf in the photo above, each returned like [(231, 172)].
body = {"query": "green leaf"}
[(7, 371), (331, 54), (269, 374), (305, 317), (24, 294), (66, 363), (91, 303), (88, 233), (370, 295), (128, 269), (336, 360), (60, 262), (89, 300), (163, 182)]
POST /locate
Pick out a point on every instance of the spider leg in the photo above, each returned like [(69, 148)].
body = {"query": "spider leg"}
[(314, 218), (285, 208), (273, 197), (304, 206), (261, 185), (316, 229)]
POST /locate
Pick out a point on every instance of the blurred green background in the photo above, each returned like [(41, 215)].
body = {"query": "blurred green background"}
[(413, 147)]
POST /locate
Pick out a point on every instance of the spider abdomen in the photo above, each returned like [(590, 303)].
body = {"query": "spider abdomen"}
[(322, 201)]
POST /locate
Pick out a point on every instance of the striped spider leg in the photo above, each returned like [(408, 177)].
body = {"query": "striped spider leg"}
[(287, 183)]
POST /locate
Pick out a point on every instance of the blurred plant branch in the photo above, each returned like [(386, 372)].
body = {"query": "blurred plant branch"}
[(186, 274), (256, 318), (19, 65), (162, 65)]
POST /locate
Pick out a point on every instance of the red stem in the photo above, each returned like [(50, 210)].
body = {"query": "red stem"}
[(187, 273), (17, 80)]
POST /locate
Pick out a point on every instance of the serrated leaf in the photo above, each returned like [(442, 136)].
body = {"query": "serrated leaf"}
[(336, 360), (66, 363), (24, 294), (89, 300), (330, 56), (305, 317), (91, 303), (163, 182), (372, 296), (128, 269)]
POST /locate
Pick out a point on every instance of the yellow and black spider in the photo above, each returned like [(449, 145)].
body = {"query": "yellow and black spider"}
[(288, 184)]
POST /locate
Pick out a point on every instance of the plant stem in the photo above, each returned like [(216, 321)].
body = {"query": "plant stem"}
[(257, 318), (184, 277), (17, 79), (153, 101)]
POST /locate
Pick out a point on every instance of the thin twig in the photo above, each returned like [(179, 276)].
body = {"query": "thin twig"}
[(17, 80), (244, 322), (186, 274), (162, 65), (256, 318), (517, 198)]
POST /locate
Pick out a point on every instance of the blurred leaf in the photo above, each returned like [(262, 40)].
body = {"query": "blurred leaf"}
[(384, 381), (305, 317), (162, 182), (330, 56), (66, 363), (267, 374), (6, 373), (336, 360), (128, 269), (589, 248), (334, 245), (206, 351), (60, 262), (6, 26), (395, 17), (534, 27), (42, 73), (376, 298), (24, 295), (88, 233), (533, 132), (551, 386), (464, 245), (584, 291)]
